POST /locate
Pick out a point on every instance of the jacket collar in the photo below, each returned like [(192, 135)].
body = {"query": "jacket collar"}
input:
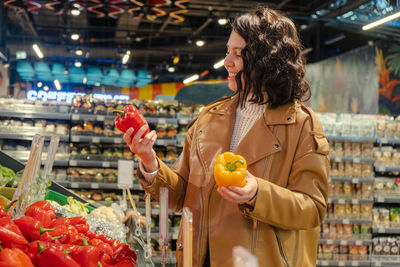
[(284, 114)]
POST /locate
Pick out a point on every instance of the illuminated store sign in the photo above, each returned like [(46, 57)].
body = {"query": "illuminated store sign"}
[(67, 97)]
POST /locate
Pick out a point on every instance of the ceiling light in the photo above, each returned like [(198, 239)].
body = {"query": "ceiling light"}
[(219, 64), (171, 69), (37, 50), (303, 26), (75, 12), (76, 5), (79, 52), (191, 79), (84, 80), (175, 60), (74, 36), (39, 84), (46, 88), (126, 57), (57, 84), (222, 21), (200, 42), (78, 64), (381, 21)]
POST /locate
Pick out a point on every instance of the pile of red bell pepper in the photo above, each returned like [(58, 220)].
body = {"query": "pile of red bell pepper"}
[(38, 239)]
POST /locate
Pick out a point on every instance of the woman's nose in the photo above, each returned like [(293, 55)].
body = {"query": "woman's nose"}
[(228, 62)]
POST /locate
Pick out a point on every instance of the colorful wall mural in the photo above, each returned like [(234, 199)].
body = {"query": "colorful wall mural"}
[(347, 83)]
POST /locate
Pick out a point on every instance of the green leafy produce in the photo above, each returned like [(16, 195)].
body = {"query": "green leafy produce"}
[(6, 175), (77, 206)]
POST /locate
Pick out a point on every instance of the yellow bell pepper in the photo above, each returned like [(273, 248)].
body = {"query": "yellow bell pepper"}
[(230, 169)]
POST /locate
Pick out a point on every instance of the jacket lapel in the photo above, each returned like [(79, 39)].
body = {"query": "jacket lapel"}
[(263, 131)]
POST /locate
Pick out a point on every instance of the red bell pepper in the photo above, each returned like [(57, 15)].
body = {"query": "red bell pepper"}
[(77, 239), (61, 221), (33, 249), (87, 256), (125, 263), (43, 211), (62, 232), (77, 220), (14, 258), (124, 251), (31, 228), (105, 239), (103, 247), (130, 117), (8, 237), (9, 224), (115, 244), (4, 211), (51, 256), (106, 259), (91, 235)]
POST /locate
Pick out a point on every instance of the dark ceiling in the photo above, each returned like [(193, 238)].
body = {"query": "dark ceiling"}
[(155, 31)]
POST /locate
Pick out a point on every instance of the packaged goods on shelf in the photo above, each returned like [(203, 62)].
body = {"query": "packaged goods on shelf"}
[(350, 210), (349, 231), (351, 190)]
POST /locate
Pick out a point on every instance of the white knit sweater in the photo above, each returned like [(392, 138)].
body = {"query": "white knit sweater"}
[(245, 119)]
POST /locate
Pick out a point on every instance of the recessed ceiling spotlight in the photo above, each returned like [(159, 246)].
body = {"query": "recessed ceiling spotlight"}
[(171, 69), (79, 52), (222, 21), (75, 12), (74, 36), (78, 64), (200, 43)]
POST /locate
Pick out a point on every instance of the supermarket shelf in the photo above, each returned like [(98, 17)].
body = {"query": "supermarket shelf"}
[(36, 115), (349, 200), (388, 140), (347, 221), (93, 163), (343, 263), (75, 185), (28, 136), (353, 180), (381, 168), (169, 260), (351, 138), (345, 242), (94, 117), (352, 159), (385, 199), (96, 139), (114, 140), (386, 230), (91, 117), (386, 263)]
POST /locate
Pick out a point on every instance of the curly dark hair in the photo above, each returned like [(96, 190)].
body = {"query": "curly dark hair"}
[(272, 59)]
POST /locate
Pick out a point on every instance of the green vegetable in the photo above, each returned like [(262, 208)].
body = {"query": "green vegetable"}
[(6, 175), (77, 206)]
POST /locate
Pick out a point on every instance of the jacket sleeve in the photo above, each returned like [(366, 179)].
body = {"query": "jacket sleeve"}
[(302, 204), (175, 178)]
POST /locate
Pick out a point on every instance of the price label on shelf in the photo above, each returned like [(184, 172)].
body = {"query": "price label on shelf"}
[(160, 142), (75, 138), (105, 164), (125, 173), (325, 263), (117, 140), (381, 168), (358, 242), (75, 117), (377, 263), (341, 200), (96, 140), (381, 199), (183, 121), (344, 242), (384, 140), (338, 159), (341, 263), (346, 221), (354, 263), (162, 121), (73, 163), (355, 180), (355, 201), (74, 185), (63, 109), (100, 118), (329, 241), (356, 160), (94, 186), (381, 230)]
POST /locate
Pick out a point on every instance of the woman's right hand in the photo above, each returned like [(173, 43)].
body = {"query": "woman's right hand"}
[(143, 147)]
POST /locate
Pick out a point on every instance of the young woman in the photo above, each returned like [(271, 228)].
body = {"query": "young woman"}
[(277, 214)]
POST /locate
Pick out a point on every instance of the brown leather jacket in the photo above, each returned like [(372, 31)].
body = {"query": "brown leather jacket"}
[(287, 151)]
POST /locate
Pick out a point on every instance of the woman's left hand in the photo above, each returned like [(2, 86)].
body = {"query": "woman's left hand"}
[(241, 195)]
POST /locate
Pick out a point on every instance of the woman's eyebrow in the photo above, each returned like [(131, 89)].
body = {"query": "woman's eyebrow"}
[(235, 47)]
